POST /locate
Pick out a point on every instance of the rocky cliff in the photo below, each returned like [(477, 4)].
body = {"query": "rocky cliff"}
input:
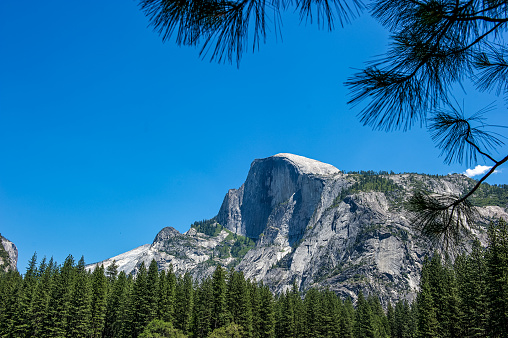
[(300, 220), (8, 255)]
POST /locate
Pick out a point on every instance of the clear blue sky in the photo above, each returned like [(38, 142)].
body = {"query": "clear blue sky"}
[(108, 135)]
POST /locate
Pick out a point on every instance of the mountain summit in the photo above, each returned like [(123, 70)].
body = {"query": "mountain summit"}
[(271, 182), (297, 220)]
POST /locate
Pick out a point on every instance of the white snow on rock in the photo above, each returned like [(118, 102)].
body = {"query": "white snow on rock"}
[(309, 166)]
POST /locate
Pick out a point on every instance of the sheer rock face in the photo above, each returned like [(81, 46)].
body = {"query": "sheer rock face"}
[(8, 255), (305, 234), (281, 182)]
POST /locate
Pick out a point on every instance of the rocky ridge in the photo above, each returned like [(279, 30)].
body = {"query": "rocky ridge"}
[(304, 221), (8, 255)]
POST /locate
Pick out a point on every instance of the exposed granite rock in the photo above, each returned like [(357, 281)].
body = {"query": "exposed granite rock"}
[(8, 255), (311, 227)]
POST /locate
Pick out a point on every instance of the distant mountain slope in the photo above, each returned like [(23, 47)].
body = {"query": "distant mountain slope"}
[(304, 221), (8, 255)]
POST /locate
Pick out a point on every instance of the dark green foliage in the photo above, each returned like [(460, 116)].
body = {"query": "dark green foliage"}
[(367, 181), (471, 280), (99, 293), (467, 299), (219, 306), (161, 329), (234, 245), (184, 303), (238, 301), (241, 246), (497, 280), (81, 304), (117, 306), (265, 325), (203, 308), (209, 227), (230, 331), (491, 195), (364, 324)]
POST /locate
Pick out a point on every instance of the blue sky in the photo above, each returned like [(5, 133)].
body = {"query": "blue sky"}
[(107, 135)]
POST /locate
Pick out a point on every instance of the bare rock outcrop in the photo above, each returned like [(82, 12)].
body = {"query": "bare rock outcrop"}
[(8, 255)]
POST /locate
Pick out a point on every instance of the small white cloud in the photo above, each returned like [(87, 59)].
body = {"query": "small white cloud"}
[(478, 170)]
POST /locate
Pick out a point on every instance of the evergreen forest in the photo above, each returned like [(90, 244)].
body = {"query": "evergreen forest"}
[(464, 298)]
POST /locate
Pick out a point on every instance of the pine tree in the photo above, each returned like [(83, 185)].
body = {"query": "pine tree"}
[(203, 308), (363, 324), (299, 315), (219, 289), (125, 323), (139, 302), (287, 317), (168, 306), (347, 319), (81, 302), (239, 301), (266, 326), (497, 279), (115, 310), (22, 323), (471, 275), (402, 317), (427, 322), (390, 316), (12, 282), (312, 310), (60, 299), (152, 284), (184, 303), (41, 298), (255, 303), (329, 309), (112, 272), (379, 319)]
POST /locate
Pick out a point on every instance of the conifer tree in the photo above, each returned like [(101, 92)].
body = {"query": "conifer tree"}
[(184, 303), (41, 299), (266, 324), (152, 284), (203, 308), (402, 325), (312, 311), (21, 323), (379, 319), (287, 321), (170, 287), (112, 272), (219, 289), (255, 303), (12, 283), (60, 299), (471, 275), (347, 319), (239, 301), (497, 279), (427, 322), (99, 293), (296, 299), (139, 301), (80, 305), (363, 324), (115, 310), (390, 316), (126, 319), (330, 314)]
